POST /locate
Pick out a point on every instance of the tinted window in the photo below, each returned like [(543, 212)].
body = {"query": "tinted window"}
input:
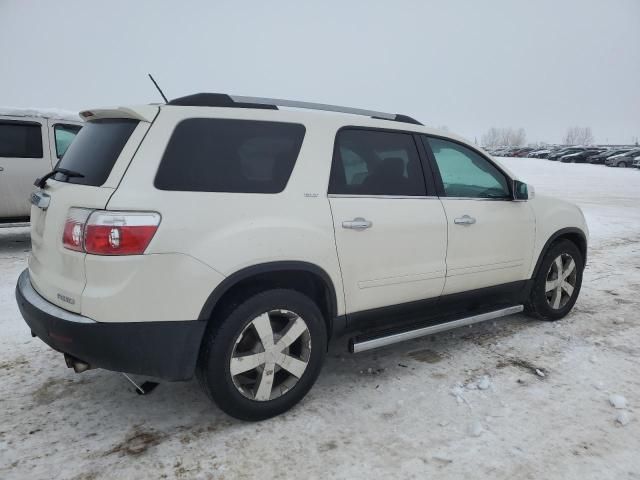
[(466, 173), (64, 136), (20, 139), (368, 162), (95, 149), (220, 155)]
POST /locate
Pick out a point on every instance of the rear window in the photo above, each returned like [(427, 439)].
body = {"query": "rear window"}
[(221, 155), (20, 139), (95, 149)]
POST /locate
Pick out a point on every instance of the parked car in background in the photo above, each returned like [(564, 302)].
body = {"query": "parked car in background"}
[(564, 151), (600, 158), (636, 162), (498, 152), (622, 159), (522, 152), (31, 143), (596, 154), (224, 237), (542, 153), (580, 157)]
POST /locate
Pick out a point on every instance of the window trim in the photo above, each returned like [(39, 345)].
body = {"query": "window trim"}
[(55, 143), (7, 121), (427, 175), (438, 178)]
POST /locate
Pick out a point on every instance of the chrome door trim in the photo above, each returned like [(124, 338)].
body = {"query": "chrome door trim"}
[(385, 197), (478, 199)]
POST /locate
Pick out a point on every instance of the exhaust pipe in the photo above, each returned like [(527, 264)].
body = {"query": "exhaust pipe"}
[(78, 365)]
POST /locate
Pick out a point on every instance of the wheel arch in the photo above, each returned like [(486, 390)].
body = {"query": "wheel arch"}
[(573, 234), (307, 278)]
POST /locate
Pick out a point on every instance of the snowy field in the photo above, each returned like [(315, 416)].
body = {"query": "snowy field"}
[(514, 399)]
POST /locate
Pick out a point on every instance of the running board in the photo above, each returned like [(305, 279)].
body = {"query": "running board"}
[(370, 342)]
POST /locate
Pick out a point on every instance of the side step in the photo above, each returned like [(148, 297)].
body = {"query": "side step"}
[(361, 344)]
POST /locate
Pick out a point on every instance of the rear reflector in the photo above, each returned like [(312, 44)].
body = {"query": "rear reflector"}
[(113, 233)]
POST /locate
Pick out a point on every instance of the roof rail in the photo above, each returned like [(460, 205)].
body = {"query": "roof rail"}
[(238, 101)]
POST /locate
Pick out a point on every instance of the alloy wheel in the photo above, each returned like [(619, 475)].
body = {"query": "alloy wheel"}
[(561, 281), (270, 355)]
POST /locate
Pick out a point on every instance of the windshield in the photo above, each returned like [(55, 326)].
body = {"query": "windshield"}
[(95, 149)]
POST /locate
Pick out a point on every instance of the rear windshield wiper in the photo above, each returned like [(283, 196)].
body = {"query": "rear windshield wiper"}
[(42, 181)]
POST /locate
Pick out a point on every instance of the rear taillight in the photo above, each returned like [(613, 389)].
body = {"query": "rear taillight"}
[(73, 235), (120, 233), (115, 233)]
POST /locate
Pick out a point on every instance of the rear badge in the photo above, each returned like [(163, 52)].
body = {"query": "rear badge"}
[(64, 298), (40, 199)]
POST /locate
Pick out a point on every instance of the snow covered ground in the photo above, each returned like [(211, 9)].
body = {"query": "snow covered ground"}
[(514, 399)]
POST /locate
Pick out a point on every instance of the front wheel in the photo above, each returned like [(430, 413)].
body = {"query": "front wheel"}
[(264, 355), (557, 284), (622, 164)]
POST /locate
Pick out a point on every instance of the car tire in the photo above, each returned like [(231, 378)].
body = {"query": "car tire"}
[(252, 334), (553, 294), (622, 164)]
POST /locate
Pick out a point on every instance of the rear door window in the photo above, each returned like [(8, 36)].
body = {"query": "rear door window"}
[(373, 162), (222, 155), (20, 139), (95, 149), (64, 135)]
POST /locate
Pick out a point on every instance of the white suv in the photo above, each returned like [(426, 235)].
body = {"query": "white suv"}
[(31, 143), (233, 238)]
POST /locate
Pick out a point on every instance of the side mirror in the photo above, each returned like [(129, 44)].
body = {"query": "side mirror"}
[(522, 191)]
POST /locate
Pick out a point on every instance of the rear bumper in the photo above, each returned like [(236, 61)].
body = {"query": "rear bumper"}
[(167, 350)]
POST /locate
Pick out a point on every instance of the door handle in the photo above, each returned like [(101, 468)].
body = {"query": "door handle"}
[(357, 223), (464, 220)]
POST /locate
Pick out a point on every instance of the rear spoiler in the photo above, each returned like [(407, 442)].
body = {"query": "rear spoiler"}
[(144, 113)]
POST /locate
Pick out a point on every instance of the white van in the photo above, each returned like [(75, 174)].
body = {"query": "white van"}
[(31, 143)]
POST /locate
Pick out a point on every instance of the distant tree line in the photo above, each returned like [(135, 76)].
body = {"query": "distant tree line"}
[(578, 136), (516, 137), (511, 137)]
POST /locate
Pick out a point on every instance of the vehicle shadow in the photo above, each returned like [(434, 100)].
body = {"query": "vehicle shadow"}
[(182, 412), (14, 241)]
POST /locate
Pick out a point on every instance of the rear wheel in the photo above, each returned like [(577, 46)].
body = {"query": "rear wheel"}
[(557, 284), (265, 355), (622, 164)]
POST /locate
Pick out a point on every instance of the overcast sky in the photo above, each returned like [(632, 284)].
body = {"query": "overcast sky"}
[(543, 65)]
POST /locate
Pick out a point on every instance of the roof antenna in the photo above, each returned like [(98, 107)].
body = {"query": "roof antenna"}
[(158, 87)]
